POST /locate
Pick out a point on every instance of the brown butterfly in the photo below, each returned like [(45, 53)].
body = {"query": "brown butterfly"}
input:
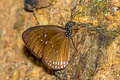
[(51, 43)]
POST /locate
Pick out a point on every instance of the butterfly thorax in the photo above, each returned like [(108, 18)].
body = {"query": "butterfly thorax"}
[(68, 33), (68, 27)]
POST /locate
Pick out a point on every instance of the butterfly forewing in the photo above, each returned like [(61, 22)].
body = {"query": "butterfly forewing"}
[(49, 43), (35, 38)]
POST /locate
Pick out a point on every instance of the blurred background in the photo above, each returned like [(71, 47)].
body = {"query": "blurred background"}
[(17, 63)]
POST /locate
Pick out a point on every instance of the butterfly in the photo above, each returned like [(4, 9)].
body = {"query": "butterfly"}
[(51, 43)]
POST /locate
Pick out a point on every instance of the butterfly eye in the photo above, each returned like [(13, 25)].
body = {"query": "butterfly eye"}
[(49, 43)]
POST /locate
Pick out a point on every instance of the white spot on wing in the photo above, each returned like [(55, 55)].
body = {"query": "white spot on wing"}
[(55, 66), (45, 35), (58, 63), (66, 62), (61, 62), (58, 67), (61, 66), (53, 62), (56, 51), (46, 42), (50, 61), (52, 46), (41, 40), (41, 27)]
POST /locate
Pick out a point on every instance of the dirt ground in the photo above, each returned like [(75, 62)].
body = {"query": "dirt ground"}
[(16, 62)]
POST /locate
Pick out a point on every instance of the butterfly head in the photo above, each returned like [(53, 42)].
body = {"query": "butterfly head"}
[(68, 28)]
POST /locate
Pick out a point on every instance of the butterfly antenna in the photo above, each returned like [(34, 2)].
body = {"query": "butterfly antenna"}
[(34, 13), (74, 45)]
